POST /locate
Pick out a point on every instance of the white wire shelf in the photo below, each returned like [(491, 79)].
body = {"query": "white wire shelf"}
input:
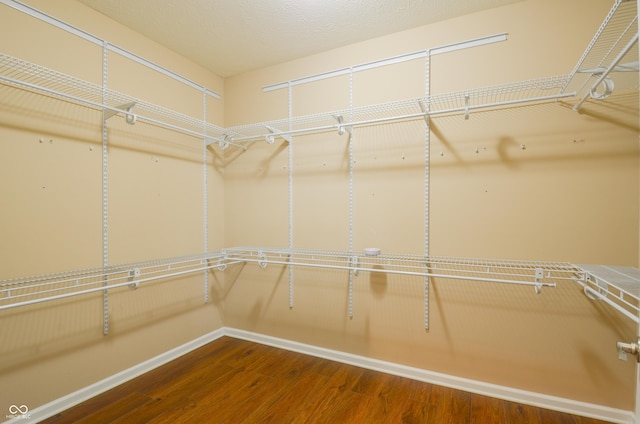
[(618, 286), (612, 50), (29, 76), (525, 273), (18, 292), (462, 102), (25, 291)]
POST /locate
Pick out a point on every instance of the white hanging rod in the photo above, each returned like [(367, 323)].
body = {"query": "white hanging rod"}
[(390, 61), (389, 271), (609, 69), (331, 127)]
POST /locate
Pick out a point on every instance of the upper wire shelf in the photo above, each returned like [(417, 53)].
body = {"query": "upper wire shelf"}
[(611, 52), (20, 73), (461, 102), (26, 75)]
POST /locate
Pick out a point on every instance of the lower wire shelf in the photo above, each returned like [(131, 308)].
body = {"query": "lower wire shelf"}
[(617, 286), (25, 291), (535, 274)]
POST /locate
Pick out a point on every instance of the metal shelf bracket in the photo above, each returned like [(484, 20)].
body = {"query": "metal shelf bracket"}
[(130, 118), (270, 138), (341, 126)]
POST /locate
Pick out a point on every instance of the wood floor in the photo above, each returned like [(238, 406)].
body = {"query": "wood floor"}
[(235, 381)]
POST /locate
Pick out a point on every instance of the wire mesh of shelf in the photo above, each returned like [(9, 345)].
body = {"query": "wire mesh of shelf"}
[(510, 272), (23, 74), (20, 73), (615, 32), (624, 297), (530, 91), (36, 289), (540, 89), (619, 286)]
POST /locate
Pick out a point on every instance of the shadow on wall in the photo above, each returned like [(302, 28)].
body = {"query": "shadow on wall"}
[(378, 282), (503, 147), (43, 331)]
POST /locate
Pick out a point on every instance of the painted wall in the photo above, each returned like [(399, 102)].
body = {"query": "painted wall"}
[(571, 194), (51, 188)]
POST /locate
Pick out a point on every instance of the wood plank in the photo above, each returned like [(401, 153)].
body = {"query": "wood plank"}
[(486, 409), (112, 411), (522, 414), (554, 417), (231, 380), (450, 406), (295, 399)]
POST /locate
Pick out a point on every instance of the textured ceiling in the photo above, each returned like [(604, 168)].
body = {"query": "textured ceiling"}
[(230, 37)]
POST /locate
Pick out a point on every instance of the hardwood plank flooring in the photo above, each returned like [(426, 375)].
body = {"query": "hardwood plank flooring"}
[(235, 381)]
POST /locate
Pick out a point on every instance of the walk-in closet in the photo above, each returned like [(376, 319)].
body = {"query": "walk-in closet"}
[(453, 202)]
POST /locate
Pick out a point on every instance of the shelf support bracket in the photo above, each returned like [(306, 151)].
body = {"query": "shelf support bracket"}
[(130, 118), (423, 107), (341, 126), (262, 263), (273, 132), (603, 76), (353, 264), (466, 107)]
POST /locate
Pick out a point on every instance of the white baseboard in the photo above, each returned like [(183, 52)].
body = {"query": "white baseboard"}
[(479, 387), (501, 392), (50, 409)]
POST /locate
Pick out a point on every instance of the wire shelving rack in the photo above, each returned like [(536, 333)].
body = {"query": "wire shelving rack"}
[(611, 50)]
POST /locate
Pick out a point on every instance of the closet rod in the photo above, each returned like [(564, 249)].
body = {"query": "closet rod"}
[(333, 126), (537, 285), (407, 116)]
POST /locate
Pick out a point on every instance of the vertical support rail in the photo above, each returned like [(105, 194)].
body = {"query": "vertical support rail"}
[(427, 158), (290, 114), (105, 192), (205, 193), (351, 162)]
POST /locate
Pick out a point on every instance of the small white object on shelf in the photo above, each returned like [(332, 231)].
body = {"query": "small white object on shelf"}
[(372, 251)]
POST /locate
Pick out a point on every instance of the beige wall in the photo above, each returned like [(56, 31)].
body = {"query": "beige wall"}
[(571, 195), (52, 208)]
